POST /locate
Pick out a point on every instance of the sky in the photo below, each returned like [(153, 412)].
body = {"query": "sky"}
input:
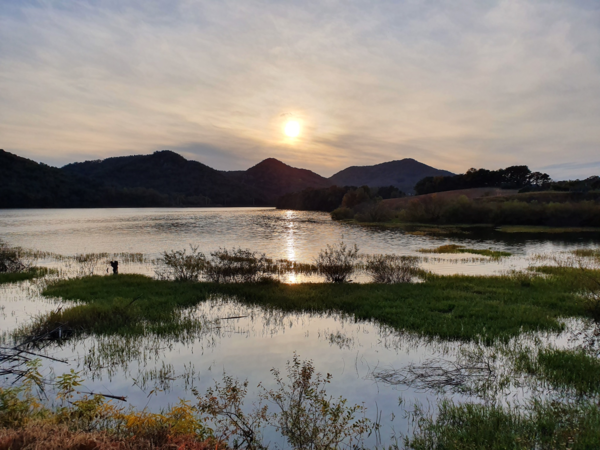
[(451, 83)]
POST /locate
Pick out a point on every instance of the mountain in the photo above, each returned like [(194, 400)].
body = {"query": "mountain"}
[(165, 178), (186, 183), (271, 179), (403, 174), (27, 184)]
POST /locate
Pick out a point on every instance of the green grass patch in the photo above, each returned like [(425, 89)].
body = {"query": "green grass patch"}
[(453, 248), (450, 307), (35, 272), (550, 425)]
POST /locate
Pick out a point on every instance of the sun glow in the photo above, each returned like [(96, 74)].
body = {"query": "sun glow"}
[(292, 129)]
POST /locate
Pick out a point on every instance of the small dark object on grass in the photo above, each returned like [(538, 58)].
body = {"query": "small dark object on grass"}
[(115, 267)]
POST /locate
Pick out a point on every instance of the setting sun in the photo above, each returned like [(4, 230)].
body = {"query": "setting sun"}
[(292, 129)]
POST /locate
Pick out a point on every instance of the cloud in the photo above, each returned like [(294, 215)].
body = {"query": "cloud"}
[(452, 83)]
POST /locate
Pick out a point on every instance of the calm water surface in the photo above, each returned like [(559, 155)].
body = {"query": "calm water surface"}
[(293, 235)]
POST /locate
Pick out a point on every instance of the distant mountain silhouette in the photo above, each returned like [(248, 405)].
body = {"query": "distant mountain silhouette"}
[(271, 179), (27, 184), (187, 183), (166, 178), (403, 174)]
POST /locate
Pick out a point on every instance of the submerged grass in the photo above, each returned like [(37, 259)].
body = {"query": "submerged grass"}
[(574, 369), (453, 248), (548, 425), (450, 307), (34, 272), (544, 229)]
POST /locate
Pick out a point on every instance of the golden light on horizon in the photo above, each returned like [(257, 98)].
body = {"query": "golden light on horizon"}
[(292, 129)]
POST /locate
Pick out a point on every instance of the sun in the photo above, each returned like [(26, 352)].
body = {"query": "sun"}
[(292, 129)]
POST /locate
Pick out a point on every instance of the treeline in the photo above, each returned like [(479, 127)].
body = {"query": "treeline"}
[(93, 197), (514, 177), (575, 186), (328, 199)]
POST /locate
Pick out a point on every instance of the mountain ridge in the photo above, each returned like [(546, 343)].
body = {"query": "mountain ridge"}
[(166, 178)]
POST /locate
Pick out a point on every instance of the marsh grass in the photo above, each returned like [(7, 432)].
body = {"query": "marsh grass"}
[(453, 248), (587, 253), (533, 229), (572, 369), (449, 307), (539, 425), (130, 316), (34, 272)]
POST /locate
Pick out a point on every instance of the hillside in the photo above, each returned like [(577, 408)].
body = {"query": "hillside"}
[(403, 174), (186, 183), (27, 184), (475, 193), (271, 179)]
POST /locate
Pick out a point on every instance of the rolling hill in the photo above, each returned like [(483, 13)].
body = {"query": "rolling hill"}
[(271, 179), (403, 174), (187, 183)]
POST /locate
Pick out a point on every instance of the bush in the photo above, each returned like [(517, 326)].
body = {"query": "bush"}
[(392, 269), (237, 266), (181, 266), (374, 212), (336, 263), (342, 213), (305, 414), (11, 261)]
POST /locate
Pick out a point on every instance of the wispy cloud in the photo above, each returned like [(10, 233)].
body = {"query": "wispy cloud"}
[(453, 83)]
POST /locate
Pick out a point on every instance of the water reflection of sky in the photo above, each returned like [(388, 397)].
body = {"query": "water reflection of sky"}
[(294, 235), (247, 342)]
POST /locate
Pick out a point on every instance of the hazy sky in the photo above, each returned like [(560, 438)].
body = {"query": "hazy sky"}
[(452, 83)]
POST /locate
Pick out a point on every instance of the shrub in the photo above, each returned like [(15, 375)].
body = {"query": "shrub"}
[(374, 212), (237, 266), (342, 213), (392, 268), (11, 261), (181, 266), (336, 263), (305, 414)]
